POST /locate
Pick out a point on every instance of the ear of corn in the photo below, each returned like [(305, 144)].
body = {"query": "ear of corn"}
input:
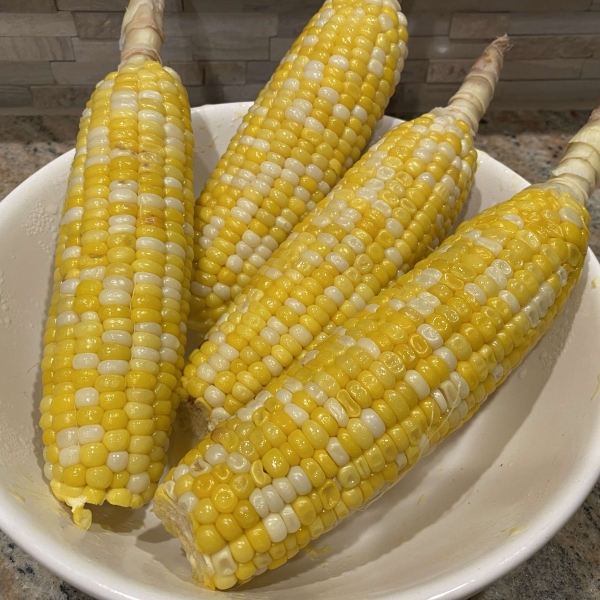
[(390, 210), (339, 428), (116, 331), (397, 202), (306, 128)]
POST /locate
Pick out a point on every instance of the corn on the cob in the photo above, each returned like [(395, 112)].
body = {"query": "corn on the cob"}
[(116, 332), (338, 430), (387, 213), (306, 128)]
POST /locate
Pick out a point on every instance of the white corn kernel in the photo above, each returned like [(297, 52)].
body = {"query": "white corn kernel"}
[(238, 463), (223, 562), (68, 457), (86, 397), (180, 471), (298, 415), (66, 437), (215, 454), (299, 480), (275, 526), (290, 519), (373, 421), (259, 503), (336, 410), (272, 498), (417, 382), (90, 433), (285, 489), (188, 500), (432, 337), (138, 483), (337, 452)]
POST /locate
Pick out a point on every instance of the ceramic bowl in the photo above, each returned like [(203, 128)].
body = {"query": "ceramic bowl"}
[(484, 502)]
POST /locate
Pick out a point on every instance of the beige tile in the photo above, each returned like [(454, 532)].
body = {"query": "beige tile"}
[(591, 70), (559, 23), (552, 94), (558, 68), (174, 49), (32, 111), (26, 72), (409, 6), (74, 73), (36, 48), (443, 47), (191, 73), (210, 6), (108, 5), (219, 73), (283, 6), (534, 5), (242, 93), (414, 71), (416, 98), (215, 94), (428, 23), (546, 102), (224, 73), (12, 95), (260, 71), (279, 47), (481, 26), (216, 25), (291, 24), (224, 47), (448, 71), (37, 25), (92, 25), (27, 6), (87, 51), (552, 46), (59, 96), (595, 5), (216, 36)]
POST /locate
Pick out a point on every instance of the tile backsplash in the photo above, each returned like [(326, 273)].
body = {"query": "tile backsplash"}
[(52, 52)]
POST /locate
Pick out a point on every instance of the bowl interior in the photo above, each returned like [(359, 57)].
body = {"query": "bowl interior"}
[(490, 497)]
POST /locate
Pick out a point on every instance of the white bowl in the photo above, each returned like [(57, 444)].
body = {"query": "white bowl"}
[(479, 506)]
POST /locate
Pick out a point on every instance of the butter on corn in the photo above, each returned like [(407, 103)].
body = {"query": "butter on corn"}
[(390, 210), (343, 425), (308, 125), (116, 329)]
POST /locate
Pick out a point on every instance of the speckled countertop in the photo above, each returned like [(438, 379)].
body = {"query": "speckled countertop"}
[(568, 567)]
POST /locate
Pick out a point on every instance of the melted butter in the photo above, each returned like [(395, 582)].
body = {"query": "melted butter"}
[(316, 553)]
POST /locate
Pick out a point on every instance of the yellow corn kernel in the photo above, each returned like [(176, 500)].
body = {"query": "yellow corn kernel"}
[(99, 356)]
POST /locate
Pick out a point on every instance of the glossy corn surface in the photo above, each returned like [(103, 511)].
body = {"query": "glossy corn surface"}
[(389, 211), (307, 127), (116, 328), (339, 428)]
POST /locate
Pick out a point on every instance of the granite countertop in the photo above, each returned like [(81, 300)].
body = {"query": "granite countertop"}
[(528, 142)]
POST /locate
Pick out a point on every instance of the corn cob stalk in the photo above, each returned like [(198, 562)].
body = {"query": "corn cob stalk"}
[(387, 213), (306, 128), (116, 331), (338, 430)]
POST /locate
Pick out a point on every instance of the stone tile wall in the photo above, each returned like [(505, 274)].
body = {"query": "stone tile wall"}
[(52, 52)]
